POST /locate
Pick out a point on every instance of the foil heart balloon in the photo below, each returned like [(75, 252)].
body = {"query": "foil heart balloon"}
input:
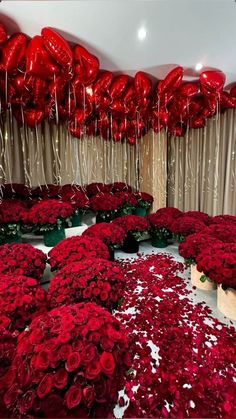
[(87, 65), (38, 61), (212, 81), (171, 82), (57, 47), (13, 51)]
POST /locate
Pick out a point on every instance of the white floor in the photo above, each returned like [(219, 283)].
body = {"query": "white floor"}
[(196, 296)]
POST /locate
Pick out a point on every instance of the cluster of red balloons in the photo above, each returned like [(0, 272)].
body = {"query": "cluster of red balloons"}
[(44, 77)]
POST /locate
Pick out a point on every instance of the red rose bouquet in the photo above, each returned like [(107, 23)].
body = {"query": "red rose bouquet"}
[(22, 259), (132, 224), (218, 263), (22, 298), (111, 234), (75, 249), (198, 215), (184, 226), (221, 219), (195, 244), (106, 205), (76, 197), (97, 188), (127, 202), (49, 214), (12, 213), (169, 211), (225, 232), (95, 280), (70, 362), (121, 187), (145, 200), (160, 225)]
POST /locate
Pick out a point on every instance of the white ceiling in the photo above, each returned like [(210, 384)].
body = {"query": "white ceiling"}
[(183, 32)]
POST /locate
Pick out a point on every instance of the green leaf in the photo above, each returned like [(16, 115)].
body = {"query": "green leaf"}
[(203, 278)]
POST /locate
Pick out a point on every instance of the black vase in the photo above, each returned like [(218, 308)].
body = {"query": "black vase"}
[(130, 245)]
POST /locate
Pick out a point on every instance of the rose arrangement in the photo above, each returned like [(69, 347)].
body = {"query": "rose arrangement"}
[(97, 188), (225, 232), (70, 362), (111, 234), (170, 211), (95, 280), (76, 197), (199, 215), (160, 225), (184, 226), (218, 263), (132, 224), (22, 259), (49, 214), (11, 214), (75, 249), (127, 202), (121, 187), (195, 244), (15, 191), (22, 298), (50, 191), (106, 205), (145, 200)]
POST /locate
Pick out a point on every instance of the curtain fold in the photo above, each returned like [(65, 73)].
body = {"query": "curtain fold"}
[(202, 167)]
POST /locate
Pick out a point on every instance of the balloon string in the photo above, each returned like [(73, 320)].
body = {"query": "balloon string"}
[(40, 159), (3, 176), (6, 150), (57, 161)]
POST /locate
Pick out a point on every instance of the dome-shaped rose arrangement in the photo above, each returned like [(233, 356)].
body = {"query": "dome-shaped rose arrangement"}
[(22, 259), (221, 219), (133, 224), (170, 211), (98, 187), (76, 197), (95, 280), (12, 212), (121, 187), (70, 362), (184, 226), (75, 249), (144, 199), (160, 227), (22, 298), (218, 262), (111, 234), (127, 202), (226, 232), (195, 244), (106, 205), (199, 215)]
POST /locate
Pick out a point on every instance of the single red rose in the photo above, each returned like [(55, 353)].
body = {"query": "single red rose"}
[(88, 395), (93, 370), (60, 378), (45, 386), (107, 363), (73, 396), (73, 361)]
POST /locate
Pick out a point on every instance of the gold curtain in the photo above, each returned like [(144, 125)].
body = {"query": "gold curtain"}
[(202, 167), (49, 154)]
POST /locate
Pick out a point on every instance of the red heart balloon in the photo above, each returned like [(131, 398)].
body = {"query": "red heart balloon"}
[(212, 81), (118, 86), (38, 61), (142, 84), (188, 89), (103, 83), (33, 117), (171, 82), (13, 51), (57, 47), (197, 122), (87, 65), (130, 94), (233, 91), (227, 101)]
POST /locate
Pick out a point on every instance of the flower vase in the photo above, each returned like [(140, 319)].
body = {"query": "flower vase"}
[(226, 301), (130, 245), (126, 211), (206, 285), (142, 212), (112, 254), (159, 242), (52, 237), (76, 220)]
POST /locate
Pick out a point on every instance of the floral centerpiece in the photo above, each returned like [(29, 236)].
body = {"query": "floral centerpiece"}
[(22, 298), (160, 228), (218, 263), (121, 187), (95, 280), (195, 244), (170, 211), (145, 201), (49, 217), (134, 226), (77, 357), (184, 226), (97, 188), (106, 206), (22, 259), (79, 201), (127, 202), (111, 234), (12, 213), (221, 219), (199, 215), (75, 249), (15, 191), (49, 191)]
